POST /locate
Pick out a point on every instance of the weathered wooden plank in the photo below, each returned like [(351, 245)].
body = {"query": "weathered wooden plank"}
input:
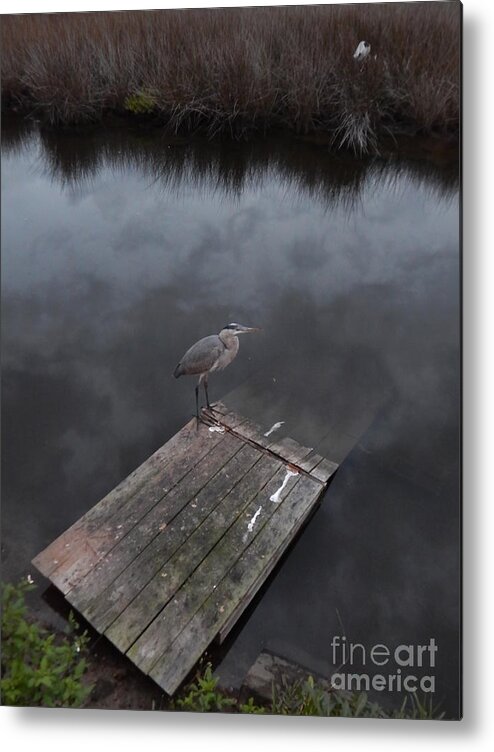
[(110, 572), (243, 427), (309, 463), (218, 407), (170, 670), (286, 447), (324, 470), (151, 601), (224, 415), (101, 601), (254, 432), (169, 499), (290, 450), (269, 566), (60, 551), (178, 612)]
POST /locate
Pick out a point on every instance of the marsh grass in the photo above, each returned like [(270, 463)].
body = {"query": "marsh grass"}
[(242, 70)]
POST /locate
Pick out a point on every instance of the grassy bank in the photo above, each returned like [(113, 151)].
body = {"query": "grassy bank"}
[(242, 70), (46, 669)]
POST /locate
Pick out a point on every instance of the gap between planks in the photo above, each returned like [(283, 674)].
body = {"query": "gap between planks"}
[(302, 458)]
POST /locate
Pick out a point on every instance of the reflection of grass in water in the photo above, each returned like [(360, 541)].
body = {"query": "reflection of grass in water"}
[(243, 70), (17, 134), (224, 168)]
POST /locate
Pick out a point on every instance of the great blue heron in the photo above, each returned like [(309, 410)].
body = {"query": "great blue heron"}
[(209, 354), (362, 51)]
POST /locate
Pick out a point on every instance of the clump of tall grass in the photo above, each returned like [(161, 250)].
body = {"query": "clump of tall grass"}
[(299, 697), (243, 70)]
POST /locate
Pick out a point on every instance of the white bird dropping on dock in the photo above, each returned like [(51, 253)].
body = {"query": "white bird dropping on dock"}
[(250, 526), (276, 496), (216, 429), (274, 427)]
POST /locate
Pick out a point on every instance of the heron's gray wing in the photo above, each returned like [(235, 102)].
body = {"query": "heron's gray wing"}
[(202, 356)]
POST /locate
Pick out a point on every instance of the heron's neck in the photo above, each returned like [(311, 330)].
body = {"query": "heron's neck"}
[(229, 339)]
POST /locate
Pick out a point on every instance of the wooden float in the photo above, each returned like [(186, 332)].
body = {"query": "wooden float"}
[(167, 562)]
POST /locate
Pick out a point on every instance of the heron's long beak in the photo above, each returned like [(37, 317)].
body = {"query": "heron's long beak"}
[(246, 329)]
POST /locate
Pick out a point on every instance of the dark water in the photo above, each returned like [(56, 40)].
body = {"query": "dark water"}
[(120, 249)]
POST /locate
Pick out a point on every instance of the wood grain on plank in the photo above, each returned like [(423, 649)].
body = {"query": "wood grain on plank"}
[(265, 478), (170, 670), (62, 548), (102, 608), (151, 601), (171, 499)]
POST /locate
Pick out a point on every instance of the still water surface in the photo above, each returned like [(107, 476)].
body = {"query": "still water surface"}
[(120, 249)]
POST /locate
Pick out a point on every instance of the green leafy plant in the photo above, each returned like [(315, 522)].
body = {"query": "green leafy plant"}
[(251, 707), (140, 103), (420, 709), (308, 698), (203, 695), (303, 697), (300, 698), (39, 668)]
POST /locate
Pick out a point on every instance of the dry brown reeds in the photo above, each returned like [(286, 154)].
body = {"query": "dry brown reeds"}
[(244, 69)]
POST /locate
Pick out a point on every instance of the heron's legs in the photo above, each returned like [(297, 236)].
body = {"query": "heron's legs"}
[(206, 390), (197, 402)]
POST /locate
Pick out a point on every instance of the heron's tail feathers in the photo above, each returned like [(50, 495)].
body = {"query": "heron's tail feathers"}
[(178, 371)]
